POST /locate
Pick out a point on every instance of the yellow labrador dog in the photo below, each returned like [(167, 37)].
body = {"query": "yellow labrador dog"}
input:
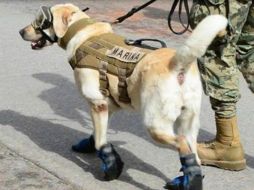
[(164, 85)]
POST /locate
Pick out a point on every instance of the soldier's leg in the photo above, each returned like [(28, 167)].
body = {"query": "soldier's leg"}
[(219, 75), (220, 79), (245, 50)]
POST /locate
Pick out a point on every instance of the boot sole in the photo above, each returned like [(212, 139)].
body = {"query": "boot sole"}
[(226, 165)]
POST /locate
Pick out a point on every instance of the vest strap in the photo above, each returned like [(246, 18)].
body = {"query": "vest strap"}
[(122, 86), (103, 78)]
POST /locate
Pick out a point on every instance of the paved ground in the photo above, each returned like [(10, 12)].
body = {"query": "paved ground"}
[(42, 114), (20, 173)]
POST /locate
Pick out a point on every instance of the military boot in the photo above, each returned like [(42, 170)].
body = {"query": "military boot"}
[(226, 150)]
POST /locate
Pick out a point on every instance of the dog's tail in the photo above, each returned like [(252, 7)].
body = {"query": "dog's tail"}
[(195, 46)]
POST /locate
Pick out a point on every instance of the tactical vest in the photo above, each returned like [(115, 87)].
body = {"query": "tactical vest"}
[(107, 53)]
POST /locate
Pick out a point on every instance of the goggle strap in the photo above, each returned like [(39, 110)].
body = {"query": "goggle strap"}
[(46, 13), (47, 37)]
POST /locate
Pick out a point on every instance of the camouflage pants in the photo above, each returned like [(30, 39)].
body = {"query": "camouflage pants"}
[(225, 57)]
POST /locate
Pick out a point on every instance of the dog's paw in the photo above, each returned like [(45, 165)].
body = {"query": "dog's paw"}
[(192, 178), (85, 146), (112, 163), (185, 183)]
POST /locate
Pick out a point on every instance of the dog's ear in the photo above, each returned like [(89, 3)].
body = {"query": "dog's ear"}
[(61, 18)]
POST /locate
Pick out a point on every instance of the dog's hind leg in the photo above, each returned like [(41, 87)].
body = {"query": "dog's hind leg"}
[(191, 135), (178, 142), (162, 132), (187, 124), (192, 178), (186, 142)]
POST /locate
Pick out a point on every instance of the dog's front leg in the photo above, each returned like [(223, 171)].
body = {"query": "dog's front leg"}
[(88, 83), (99, 113), (112, 163)]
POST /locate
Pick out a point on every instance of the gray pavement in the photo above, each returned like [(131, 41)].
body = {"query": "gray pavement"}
[(20, 173), (42, 114)]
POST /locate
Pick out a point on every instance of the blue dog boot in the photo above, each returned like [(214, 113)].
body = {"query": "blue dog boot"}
[(192, 178), (112, 163), (85, 145)]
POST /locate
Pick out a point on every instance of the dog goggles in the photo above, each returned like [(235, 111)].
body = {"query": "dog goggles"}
[(44, 18)]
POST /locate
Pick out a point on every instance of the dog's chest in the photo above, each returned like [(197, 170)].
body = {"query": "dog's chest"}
[(109, 54)]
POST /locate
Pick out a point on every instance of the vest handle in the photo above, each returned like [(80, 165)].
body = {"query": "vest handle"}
[(139, 42)]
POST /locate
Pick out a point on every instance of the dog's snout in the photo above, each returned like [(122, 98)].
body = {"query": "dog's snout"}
[(21, 32)]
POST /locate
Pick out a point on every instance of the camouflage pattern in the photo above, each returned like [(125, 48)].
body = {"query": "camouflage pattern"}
[(220, 66)]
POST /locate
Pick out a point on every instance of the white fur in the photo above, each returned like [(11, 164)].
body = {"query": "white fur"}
[(173, 109), (196, 45), (204, 34), (87, 81)]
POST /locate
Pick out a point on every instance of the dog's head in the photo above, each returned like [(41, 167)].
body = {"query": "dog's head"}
[(50, 24)]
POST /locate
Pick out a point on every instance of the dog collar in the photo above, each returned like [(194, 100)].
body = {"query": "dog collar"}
[(73, 29)]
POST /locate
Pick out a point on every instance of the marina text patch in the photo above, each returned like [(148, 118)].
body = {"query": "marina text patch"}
[(123, 54)]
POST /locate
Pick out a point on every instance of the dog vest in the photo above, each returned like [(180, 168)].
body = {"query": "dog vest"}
[(107, 53)]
